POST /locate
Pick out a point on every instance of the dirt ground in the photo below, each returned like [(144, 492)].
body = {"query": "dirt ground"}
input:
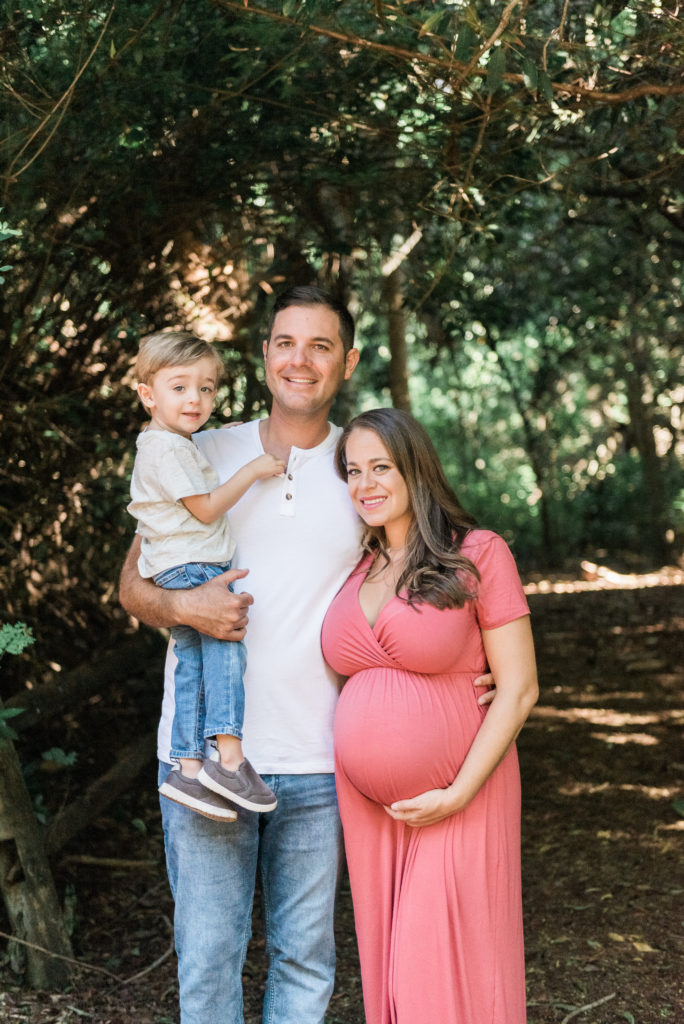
[(603, 827)]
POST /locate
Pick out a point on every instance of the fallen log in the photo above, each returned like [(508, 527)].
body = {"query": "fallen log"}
[(100, 793), (71, 688)]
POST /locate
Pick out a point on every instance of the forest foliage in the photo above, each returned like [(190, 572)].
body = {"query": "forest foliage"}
[(495, 188)]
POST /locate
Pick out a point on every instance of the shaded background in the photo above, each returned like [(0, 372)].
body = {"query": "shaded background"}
[(496, 191)]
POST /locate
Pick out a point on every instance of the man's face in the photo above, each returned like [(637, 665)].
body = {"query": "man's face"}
[(305, 360)]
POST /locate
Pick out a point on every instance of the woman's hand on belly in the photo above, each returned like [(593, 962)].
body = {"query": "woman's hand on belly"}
[(426, 808)]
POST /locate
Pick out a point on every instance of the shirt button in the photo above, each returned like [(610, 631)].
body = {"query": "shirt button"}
[(289, 476), (288, 497)]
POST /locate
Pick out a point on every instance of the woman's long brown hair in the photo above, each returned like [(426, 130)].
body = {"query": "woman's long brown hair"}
[(435, 572)]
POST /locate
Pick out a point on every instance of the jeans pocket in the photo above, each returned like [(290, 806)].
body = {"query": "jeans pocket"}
[(175, 578)]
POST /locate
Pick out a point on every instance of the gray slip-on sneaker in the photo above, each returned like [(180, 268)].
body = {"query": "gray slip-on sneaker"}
[(191, 793), (244, 787)]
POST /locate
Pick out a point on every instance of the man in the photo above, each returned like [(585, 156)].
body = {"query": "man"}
[(298, 538)]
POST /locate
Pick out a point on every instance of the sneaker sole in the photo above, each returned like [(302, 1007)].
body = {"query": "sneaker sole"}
[(216, 787), (196, 805)]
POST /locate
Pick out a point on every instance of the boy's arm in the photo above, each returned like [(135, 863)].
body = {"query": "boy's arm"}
[(210, 507), (210, 608)]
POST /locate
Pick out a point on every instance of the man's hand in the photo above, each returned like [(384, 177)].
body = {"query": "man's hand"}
[(210, 609), (214, 609), (490, 693)]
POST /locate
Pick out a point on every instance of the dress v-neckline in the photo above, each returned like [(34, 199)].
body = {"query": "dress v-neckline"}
[(364, 573)]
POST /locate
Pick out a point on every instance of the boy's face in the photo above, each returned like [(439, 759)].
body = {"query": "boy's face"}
[(180, 398)]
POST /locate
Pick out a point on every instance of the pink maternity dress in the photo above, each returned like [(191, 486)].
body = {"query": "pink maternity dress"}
[(437, 909)]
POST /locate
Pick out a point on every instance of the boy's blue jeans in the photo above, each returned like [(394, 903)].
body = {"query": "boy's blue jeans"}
[(209, 692)]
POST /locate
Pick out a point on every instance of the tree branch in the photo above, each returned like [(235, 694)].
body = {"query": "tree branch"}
[(595, 96), (64, 101), (100, 793), (72, 687)]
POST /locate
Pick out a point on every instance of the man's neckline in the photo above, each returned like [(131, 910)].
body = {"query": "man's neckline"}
[(312, 450)]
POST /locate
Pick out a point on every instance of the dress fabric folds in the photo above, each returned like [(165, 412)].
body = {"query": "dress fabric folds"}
[(437, 909)]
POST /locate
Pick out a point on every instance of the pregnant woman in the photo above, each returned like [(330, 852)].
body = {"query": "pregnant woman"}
[(427, 779)]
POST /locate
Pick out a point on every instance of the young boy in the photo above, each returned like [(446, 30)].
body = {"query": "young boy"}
[(186, 541)]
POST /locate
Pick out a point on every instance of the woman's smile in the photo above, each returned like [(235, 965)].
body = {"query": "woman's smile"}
[(376, 486)]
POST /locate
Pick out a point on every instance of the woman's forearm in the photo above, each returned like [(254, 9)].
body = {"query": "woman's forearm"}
[(510, 653), (505, 718)]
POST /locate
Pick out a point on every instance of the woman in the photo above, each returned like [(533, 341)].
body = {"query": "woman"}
[(427, 779)]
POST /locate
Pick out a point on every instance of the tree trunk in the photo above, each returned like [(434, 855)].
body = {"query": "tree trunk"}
[(27, 887), (396, 328), (537, 452), (641, 422)]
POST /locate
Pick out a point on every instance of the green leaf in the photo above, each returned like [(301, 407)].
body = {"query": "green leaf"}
[(6, 735), (60, 757), (11, 712), (628, 1016), (432, 22), (624, 24), (679, 807), (530, 74), (15, 637), (495, 69), (545, 86), (465, 43)]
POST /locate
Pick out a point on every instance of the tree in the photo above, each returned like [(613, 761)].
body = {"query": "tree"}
[(26, 882), (188, 201)]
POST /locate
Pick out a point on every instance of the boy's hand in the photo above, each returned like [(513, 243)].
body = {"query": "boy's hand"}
[(267, 465)]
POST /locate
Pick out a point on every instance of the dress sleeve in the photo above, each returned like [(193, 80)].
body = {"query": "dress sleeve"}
[(500, 595)]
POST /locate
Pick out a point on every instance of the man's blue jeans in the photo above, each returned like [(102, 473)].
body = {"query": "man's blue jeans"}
[(212, 869), (209, 692)]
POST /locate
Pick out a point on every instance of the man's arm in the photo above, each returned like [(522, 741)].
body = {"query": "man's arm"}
[(210, 609)]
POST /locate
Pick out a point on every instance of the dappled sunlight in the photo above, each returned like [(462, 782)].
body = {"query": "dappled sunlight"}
[(598, 577), (609, 717), (642, 739), (591, 696), (577, 788)]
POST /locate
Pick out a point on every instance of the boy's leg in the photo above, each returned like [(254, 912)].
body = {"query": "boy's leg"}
[(211, 869), (187, 732), (301, 850), (233, 778), (223, 666)]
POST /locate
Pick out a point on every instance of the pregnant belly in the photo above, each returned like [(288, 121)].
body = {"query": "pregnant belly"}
[(398, 734)]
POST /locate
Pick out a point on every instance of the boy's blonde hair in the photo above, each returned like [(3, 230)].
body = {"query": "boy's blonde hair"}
[(173, 348)]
